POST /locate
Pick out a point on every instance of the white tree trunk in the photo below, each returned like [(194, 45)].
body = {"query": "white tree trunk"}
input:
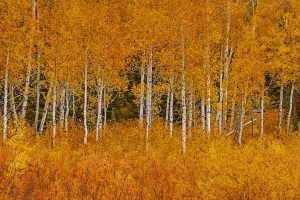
[(262, 106), (142, 94), (232, 113), (203, 113), (73, 105), (290, 109), (45, 111), (5, 110), (190, 122), (26, 90), (149, 96), (85, 141), (105, 106), (54, 98), (167, 108), (183, 106), (62, 107), (99, 112), (13, 104), (280, 109), (171, 106), (241, 121), (208, 108), (37, 105), (220, 120), (67, 109)]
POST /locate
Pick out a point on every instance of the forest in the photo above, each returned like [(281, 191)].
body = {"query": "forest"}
[(150, 99)]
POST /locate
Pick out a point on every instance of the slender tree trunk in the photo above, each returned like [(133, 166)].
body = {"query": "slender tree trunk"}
[(13, 104), (105, 107), (5, 110), (149, 96), (190, 122), (290, 109), (262, 106), (208, 127), (37, 105), (232, 113), (54, 98), (220, 121), (26, 90), (62, 107), (203, 113), (45, 111), (85, 101), (167, 108), (67, 109), (171, 106), (142, 94), (280, 110), (73, 105), (241, 121), (99, 113), (183, 93), (228, 60), (183, 105)]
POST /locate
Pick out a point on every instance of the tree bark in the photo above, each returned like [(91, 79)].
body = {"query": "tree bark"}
[(280, 110), (190, 122), (105, 106), (149, 96), (290, 109), (232, 113), (85, 141), (228, 60), (183, 106), (262, 106), (171, 106), (67, 109), (203, 114), (167, 108), (62, 107), (141, 113), (220, 121), (45, 111), (5, 103), (37, 103), (99, 112), (54, 98), (26, 90), (73, 105), (241, 121), (13, 104), (208, 125)]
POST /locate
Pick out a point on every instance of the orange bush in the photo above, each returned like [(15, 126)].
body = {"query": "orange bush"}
[(119, 168)]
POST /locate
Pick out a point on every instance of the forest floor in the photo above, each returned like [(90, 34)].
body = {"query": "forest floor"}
[(119, 167)]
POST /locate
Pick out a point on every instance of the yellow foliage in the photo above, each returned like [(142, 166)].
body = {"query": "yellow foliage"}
[(119, 166)]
